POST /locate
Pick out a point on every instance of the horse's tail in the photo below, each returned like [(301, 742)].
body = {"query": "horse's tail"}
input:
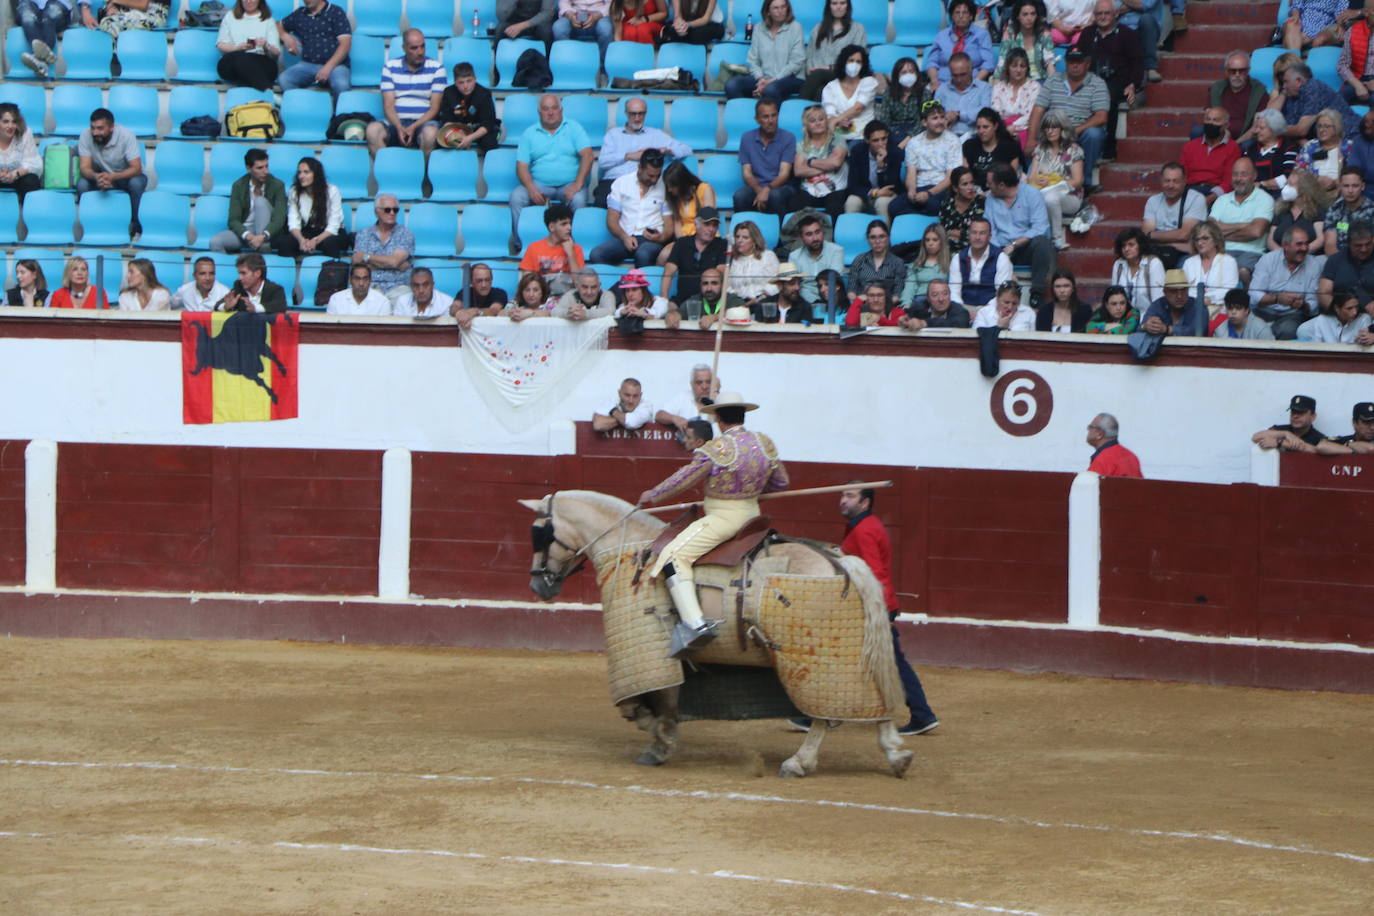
[(878, 660)]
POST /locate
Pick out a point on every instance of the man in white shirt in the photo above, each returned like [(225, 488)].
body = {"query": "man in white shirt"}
[(360, 298), (978, 271), (630, 412), (1345, 323), (1006, 312), (687, 406), (422, 300), (634, 215), (202, 293)]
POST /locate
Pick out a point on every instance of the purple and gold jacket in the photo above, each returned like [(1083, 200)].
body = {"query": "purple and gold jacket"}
[(737, 464)]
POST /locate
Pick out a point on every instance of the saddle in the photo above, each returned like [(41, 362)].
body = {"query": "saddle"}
[(730, 553)]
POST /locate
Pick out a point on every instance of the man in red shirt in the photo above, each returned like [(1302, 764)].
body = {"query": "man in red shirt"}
[(1208, 159), (866, 538), (1112, 459)]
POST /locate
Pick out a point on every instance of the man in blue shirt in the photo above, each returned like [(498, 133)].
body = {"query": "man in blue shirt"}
[(765, 159), (1021, 226), (319, 34), (552, 161), (412, 88), (623, 146), (963, 96), (1175, 313)]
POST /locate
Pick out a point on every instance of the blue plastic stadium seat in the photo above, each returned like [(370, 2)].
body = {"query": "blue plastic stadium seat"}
[(448, 276), (164, 217), (104, 218), (50, 217), (610, 274), (170, 266), (111, 278), (851, 232), (909, 227), (687, 56), (435, 227), (242, 95), (433, 17), (347, 167), (87, 53), (486, 19), (283, 158), (623, 58), (476, 51), (531, 227), (1323, 64), (485, 230), (808, 15), (693, 121), (72, 107), (498, 172), (280, 270), (508, 51), (915, 23), (377, 18), (186, 102), (358, 100), (575, 65), (142, 55), (504, 277), (726, 53), (180, 167), (453, 175), (767, 222), (366, 58), (587, 110), (309, 280), (9, 216), (873, 15), (15, 45), (882, 58), (195, 56), (722, 173), (209, 216), (306, 115), (226, 166), (226, 271), (519, 112), (399, 171), (739, 118), (32, 102), (589, 228), (790, 115), (136, 108), (1262, 64)]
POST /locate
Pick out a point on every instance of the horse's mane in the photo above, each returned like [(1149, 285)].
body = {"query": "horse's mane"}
[(613, 506)]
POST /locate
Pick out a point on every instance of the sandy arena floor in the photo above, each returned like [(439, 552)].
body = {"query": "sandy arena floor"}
[(179, 777)]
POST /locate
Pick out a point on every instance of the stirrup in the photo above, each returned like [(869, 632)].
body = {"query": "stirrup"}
[(686, 638)]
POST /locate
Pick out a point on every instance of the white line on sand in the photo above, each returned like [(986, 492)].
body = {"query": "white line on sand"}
[(705, 795), (207, 842)]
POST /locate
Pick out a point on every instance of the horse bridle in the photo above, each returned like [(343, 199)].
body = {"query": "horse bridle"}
[(543, 537)]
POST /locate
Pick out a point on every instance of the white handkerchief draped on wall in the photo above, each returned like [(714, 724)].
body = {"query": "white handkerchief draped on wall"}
[(519, 367)]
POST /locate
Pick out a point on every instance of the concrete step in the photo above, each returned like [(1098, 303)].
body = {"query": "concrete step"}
[(1130, 176), (1162, 122), (1179, 94), (1206, 67), (1121, 205), (1151, 152), (1220, 39), (1225, 14)]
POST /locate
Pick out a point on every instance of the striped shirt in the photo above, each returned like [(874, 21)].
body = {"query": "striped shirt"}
[(1092, 96), (412, 88)]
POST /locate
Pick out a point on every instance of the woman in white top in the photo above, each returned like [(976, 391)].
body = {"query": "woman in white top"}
[(821, 163), (1057, 170), (1068, 18), (21, 170), (752, 265), (142, 292), (1137, 271), (1324, 156), (1211, 266), (314, 215), (250, 45), (848, 99), (1014, 94)]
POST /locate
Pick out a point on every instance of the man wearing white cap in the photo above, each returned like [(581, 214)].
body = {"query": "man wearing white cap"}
[(737, 466)]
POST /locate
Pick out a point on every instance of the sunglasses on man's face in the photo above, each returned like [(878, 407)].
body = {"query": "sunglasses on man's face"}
[(388, 209)]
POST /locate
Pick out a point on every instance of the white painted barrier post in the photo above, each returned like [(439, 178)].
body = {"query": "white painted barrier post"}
[(40, 514), (1085, 550), (393, 554), (1264, 466)]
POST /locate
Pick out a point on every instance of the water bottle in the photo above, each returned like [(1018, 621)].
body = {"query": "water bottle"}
[(476, 23), (749, 27)]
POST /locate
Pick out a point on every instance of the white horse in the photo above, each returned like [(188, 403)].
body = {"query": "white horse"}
[(575, 524)]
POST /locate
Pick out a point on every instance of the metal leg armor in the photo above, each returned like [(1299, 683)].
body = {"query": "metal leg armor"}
[(692, 630)]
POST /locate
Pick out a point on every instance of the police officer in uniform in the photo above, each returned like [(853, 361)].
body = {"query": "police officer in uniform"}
[(737, 466)]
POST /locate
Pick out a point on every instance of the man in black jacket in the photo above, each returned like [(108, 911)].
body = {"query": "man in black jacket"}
[(1115, 54), (252, 291), (875, 172)]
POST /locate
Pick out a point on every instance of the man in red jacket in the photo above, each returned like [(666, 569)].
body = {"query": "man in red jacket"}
[(866, 538), (1112, 459)]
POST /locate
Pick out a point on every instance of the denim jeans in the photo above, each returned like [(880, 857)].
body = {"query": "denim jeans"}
[(301, 75), (603, 31), (613, 251), (921, 713), (779, 90), (135, 187), (1092, 141), (42, 25)]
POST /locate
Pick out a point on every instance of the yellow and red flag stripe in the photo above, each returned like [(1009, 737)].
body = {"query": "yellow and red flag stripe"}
[(238, 366)]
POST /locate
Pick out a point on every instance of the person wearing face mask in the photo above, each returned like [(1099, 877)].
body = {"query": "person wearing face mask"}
[(848, 99), (1208, 159)]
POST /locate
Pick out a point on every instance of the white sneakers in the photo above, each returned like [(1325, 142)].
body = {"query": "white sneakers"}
[(41, 59)]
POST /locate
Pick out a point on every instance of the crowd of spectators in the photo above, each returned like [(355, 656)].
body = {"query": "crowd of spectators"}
[(982, 135)]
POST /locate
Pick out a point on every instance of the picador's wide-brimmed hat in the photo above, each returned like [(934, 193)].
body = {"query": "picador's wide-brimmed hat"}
[(729, 399)]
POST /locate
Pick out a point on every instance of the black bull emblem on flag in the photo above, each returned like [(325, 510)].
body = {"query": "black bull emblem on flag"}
[(239, 348)]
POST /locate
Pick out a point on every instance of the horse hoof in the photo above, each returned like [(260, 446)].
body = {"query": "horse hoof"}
[(790, 769), (647, 759), (900, 762)]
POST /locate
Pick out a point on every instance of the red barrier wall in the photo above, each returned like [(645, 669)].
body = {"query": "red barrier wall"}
[(12, 545), (181, 518), (1238, 560)]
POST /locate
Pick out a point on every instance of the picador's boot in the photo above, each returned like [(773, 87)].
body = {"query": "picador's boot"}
[(692, 630)]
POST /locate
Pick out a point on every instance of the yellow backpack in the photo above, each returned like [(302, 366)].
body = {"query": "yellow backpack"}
[(256, 120)]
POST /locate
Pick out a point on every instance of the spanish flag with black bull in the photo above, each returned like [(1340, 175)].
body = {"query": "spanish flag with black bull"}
[(238, 366)]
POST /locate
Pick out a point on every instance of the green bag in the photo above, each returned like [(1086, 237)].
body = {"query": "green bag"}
[(724, 71), (61, 167)]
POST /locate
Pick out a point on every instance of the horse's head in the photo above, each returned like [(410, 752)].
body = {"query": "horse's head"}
[(554, 560)]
